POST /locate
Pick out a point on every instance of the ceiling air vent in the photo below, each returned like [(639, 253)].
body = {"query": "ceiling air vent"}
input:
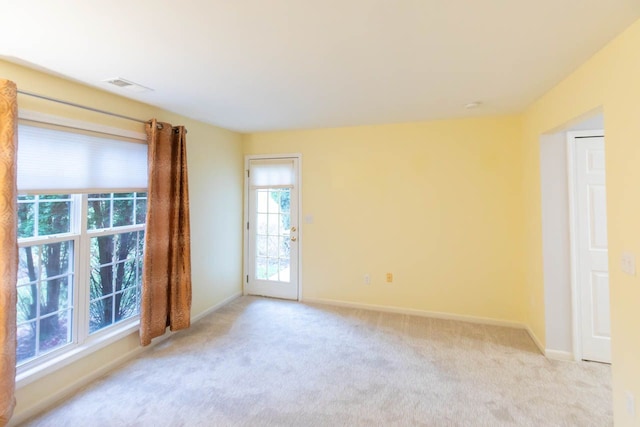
[(126, 84)]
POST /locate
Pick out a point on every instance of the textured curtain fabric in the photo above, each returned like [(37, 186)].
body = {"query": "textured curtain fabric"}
[(166, 278), (8, 247)]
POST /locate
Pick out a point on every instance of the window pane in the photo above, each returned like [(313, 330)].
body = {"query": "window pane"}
[(263, 203), (285, 223), (53, 218), (55, 331), (274, 203), (140, 244), (29, 264), (272, 269), (261, 225), (285, 248), (139, 273), (115, 281), (126, 245), (54, 197), (261, 268), (127, 303), (122, 212), (55, 258), (141, 211), (100, 314), (26, 217), (101, 250), (125, 274), (274, 224), (26, 342), (101, 282), (54, 295), (27, 308), (272, 246), (261, 246), (44, 293), (99, 213)]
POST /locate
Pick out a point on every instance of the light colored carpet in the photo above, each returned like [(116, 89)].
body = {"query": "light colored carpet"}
[(263, 362)]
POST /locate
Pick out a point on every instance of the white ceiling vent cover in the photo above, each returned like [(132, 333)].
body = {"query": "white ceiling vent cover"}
[(127, 84)]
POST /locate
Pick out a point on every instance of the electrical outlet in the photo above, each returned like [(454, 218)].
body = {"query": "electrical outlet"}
[(367, 279), (389, 278), (628, 263)]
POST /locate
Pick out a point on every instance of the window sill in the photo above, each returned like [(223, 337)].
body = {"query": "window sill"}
[(47, 367)]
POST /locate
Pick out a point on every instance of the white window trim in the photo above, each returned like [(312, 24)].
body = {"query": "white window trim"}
[(73, 351), (57, 360)]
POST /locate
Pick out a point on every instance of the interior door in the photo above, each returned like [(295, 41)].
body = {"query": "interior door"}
[(593, 266), (272, 226)]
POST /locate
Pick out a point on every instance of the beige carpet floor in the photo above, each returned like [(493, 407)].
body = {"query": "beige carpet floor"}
[(263, 362)]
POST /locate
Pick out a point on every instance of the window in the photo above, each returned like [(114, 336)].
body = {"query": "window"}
[(81, 225), (115, 257), (46, 274), (68, 272)]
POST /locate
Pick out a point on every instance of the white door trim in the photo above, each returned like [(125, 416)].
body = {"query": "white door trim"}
[(576, 327), (245, 270)]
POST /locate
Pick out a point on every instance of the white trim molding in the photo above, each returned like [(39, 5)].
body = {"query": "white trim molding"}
[(432, 314), (417, 312), (565, 356)]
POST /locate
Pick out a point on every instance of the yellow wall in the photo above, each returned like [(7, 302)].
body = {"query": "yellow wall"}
[(611, 81), (437, 204), (215, 182), (451, 208)]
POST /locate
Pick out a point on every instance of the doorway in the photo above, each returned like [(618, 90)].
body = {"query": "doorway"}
[(272, 235), (562, 304)]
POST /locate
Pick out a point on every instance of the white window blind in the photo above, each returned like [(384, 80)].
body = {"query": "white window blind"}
[(272, 173), (57, 160)]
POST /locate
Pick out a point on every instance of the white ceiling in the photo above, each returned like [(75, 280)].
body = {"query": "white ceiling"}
[(252, 65)]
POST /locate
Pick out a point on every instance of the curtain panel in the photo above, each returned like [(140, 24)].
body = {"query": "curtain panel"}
[(8, 247), (166, 278)]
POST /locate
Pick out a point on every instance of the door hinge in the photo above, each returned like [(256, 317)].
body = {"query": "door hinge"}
[(248, 173), (247, 278), (247, 225)]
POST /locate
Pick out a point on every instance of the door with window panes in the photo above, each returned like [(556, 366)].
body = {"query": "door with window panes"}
[(273, 228)]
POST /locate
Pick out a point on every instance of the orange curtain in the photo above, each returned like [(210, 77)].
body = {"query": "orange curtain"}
[(8, 247), (166, 278)]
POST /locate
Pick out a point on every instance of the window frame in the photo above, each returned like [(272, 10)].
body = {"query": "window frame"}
[(82, 342)]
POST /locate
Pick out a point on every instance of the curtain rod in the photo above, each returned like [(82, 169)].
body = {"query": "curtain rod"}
[(84, 107)]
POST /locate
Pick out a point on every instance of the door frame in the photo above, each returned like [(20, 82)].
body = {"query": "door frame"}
[(245, 247), (576, 304)]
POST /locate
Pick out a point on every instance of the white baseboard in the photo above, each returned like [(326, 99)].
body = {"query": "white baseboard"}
[(416, 312), (536, 341), (559, 355), (77, 384), (65, 392)]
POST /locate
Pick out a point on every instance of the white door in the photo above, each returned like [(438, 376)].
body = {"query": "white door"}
[(272, 227), (591, 240)]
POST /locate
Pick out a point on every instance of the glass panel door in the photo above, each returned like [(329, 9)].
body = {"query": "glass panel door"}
[(273, 235)]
